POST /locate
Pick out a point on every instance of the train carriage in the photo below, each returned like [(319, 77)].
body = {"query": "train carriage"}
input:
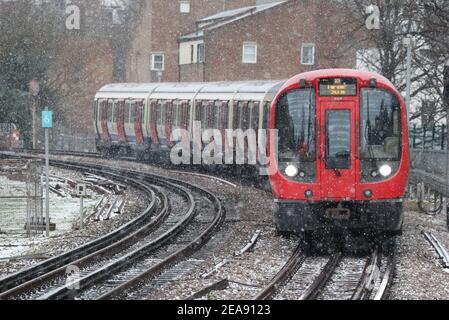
[(342, 153), (156, 110)]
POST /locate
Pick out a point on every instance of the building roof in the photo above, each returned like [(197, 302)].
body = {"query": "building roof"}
[(223, 18)]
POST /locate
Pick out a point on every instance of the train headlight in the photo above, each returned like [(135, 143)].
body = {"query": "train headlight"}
[(291, 171), (385, 170)]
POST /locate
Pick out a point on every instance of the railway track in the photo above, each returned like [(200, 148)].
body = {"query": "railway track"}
[(179, 220), (337, 277)]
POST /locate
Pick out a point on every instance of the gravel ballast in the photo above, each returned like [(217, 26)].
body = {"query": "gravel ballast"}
[(419, 273)]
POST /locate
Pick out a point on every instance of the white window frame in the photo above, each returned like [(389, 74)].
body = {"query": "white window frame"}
[(201, 58), (184, 7), (303, 47), (153, 62), (245, 45)]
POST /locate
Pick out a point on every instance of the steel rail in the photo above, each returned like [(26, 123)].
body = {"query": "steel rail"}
[(158, 180), (369, 277), (387, 280), (89, 258), (195, 245), (222, 284), (290, 268), (25, 275), (98, 155), (182, 253), (313, 291), (439, 248), (105, 271)]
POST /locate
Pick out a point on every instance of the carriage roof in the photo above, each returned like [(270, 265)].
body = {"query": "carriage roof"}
[(189, 88)]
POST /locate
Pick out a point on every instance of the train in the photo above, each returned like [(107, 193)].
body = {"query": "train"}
[(9, 136), (332, 143)]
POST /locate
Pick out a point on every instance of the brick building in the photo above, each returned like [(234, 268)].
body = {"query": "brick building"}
[(153, 53), (197, 40), (268, 41)]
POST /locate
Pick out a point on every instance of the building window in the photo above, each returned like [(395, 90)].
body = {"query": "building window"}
[(157, 62), (184, 7), (201, 53), (249, 52), (192, 53), (308, 54)]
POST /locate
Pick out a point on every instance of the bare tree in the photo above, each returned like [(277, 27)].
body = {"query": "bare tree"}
[(382, 49)]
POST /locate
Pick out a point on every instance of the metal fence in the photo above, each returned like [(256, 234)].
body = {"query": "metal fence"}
[(71, 142), (21, 197), (430, 161), (433, 138)]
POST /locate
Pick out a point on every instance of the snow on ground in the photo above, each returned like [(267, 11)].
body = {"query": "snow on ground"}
[(13, 239)]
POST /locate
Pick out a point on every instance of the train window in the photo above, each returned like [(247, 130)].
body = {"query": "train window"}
[(132, 117), (296, 121), (235, 115), (244, 116), (126, 111), (110, 111), (115, 113), (255, 117), (266, 115), (177, 110), (224, 115), (205, 115), (152, 114), (167, 112), (210, 115), (380, 125), (218, 113), (198, 108), (160, 113), (187, 111), (250, 108), (338, 139), (143, 111)]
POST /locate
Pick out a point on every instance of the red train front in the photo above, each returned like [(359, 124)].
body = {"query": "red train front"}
[(342, 153)]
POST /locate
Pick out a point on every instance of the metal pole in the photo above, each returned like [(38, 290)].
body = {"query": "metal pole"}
[(81, 212), (47, 186), (446, 106), (409, 75), (34, 122)]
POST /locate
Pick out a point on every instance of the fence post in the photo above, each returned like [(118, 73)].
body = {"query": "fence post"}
[(424, 137), (433, 136), (414, 136), (443, 129)]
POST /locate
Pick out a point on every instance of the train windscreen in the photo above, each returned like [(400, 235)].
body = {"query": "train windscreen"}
[(381, 134), (296, 122)]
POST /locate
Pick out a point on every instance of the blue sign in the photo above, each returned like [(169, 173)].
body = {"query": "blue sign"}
[(47, 119)]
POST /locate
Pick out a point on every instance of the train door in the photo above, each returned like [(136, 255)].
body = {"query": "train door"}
[(152, 122), (120, 121), (112, 129), (130, 111), (161, 119), (104, 120), (338, 165), (138, 121)]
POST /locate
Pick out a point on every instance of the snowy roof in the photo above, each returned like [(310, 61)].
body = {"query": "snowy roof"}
[(227, 13), (193, 87), (226, 17)]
